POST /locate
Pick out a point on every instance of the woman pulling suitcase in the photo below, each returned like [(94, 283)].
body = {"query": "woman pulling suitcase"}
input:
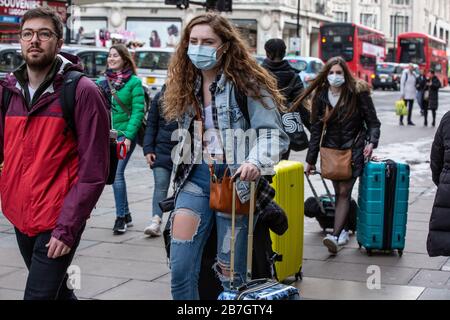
[(210, 65), (343, 119)]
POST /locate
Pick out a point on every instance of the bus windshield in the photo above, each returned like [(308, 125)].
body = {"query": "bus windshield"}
[(412, 51), (337, 41)]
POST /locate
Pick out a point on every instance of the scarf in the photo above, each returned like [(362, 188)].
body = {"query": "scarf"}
[(119, 78)]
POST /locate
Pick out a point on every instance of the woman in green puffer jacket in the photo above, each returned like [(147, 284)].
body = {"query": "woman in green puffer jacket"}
[(127, 97)]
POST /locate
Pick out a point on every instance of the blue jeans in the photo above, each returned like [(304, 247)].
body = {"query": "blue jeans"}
[(120, 186), (161, 187), (185, 255)]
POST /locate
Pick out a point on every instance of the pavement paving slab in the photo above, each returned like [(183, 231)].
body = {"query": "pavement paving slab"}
[(432, 279), (123, 269), (435, 294), (333, 289), (138, 290), (356, 272)]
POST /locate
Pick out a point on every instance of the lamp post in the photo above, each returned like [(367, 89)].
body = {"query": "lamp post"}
[(395, 36), (68, 31), (298, 24)]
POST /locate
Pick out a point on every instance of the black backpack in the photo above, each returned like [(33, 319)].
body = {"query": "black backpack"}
[(67, 100)]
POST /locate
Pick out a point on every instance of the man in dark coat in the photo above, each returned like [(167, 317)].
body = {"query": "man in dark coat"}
[(288, 80), (438, 243)]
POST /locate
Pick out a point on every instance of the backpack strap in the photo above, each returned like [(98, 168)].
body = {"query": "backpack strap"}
[(242, 101), (67, 98)]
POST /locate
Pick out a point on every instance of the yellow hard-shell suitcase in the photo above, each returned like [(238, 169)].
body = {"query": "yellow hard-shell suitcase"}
[(289, 185)]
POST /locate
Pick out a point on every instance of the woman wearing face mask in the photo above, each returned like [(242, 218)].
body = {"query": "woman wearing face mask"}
[(211, 65), (127, 96), (344, 104)]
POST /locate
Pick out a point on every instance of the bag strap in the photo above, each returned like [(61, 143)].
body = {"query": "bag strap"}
[(67, 98), (251, 218), (114, 94)]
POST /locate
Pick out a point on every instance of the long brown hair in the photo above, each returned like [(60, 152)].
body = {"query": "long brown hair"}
[(125, 55), (237, 64), (348, 100)]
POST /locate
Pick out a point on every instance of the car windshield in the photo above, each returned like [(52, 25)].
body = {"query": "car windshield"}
[(315, 67), (152, 60), (10, 60), (386, 68), (300, 65)]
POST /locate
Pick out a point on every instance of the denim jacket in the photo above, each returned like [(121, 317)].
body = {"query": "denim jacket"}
[(269, 143)]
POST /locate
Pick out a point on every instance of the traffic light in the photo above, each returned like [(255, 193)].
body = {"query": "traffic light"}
[(224, 5), (182, 4)]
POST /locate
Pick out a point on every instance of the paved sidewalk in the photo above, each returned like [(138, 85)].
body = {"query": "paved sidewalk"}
[(133, 266)]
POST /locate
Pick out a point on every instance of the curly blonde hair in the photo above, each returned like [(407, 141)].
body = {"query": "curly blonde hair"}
[(237, 64)]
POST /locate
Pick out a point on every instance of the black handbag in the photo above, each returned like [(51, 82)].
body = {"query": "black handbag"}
[(167, 205)]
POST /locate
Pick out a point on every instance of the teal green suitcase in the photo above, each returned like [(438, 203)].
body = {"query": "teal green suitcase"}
[(383, 206)]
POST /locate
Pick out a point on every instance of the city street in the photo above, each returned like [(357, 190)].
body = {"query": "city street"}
[(133, 266)]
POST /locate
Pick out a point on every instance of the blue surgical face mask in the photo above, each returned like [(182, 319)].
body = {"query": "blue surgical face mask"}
[(203, 57), (336, 80)]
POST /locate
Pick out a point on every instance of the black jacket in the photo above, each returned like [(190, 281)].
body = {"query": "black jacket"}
[(289, 82), (438, 243), (363, 125), (433, 100), (158, 135), (421, 83)]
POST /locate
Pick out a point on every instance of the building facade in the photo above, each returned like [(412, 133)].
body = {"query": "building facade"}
[(258, 20), (396, 16), (12, 11)]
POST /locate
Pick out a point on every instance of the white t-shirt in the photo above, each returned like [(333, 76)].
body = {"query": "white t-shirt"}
[(212, 138), (32, 92)]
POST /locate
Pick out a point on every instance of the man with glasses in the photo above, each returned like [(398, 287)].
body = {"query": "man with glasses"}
[(51, 178)]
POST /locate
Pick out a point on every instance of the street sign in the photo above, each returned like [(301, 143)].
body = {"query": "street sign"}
[(294, 44)]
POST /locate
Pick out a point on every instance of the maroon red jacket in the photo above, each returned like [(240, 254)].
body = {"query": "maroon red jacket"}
[(51, 181)]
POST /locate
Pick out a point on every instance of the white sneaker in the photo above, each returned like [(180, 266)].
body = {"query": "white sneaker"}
[(344, 238), (331, 242), (154, 230)]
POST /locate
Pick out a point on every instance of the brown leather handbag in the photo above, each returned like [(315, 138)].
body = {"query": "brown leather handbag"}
[(335, 164), (221, 195)]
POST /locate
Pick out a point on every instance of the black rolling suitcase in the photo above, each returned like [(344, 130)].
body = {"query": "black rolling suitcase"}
[(322, 208)]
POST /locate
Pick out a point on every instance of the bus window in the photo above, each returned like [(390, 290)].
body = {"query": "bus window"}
[(368, 62), (436, 66), (337, 41), (412, 51)]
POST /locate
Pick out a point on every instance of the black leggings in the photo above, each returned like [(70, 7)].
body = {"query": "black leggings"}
[(343, 192), (410, 104), (425, 114)]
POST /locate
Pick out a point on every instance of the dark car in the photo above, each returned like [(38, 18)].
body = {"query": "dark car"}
[(388, 75), (10, 58)]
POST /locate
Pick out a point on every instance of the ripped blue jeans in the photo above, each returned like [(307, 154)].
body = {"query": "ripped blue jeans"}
[(186, 255)]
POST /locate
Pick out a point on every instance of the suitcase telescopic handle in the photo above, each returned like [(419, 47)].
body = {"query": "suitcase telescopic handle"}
[(251, 217), (315, 172)]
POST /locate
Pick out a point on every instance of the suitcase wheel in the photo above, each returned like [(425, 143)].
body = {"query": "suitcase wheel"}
[(400, 253), (369, 252), (360, 245), (299, 276)]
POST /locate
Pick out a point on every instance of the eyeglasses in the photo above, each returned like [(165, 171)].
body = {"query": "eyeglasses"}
[(42, 34)]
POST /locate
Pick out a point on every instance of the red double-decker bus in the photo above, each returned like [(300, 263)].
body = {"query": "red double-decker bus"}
[(360, 46), (428, 52)]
